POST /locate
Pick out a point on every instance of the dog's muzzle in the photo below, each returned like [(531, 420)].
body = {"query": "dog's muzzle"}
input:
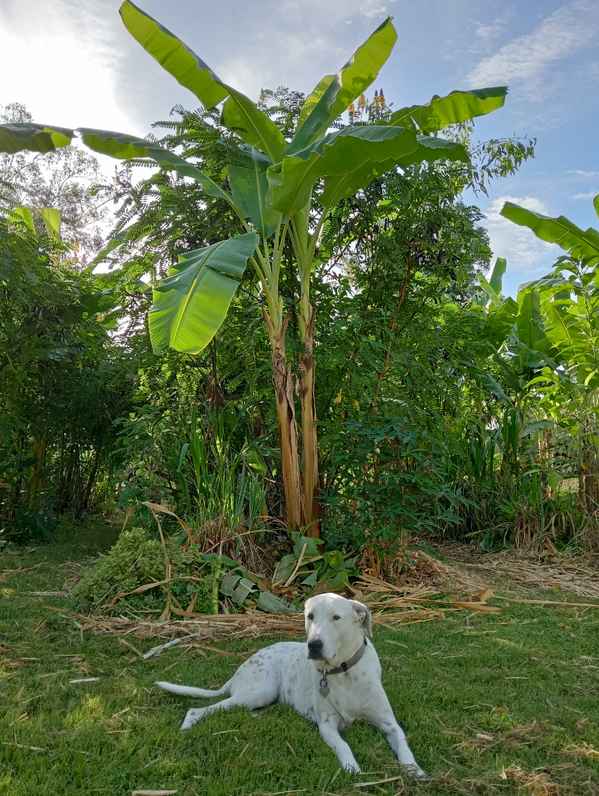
[(315, 649)]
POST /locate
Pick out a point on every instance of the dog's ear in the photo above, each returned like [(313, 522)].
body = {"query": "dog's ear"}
[(363, 615)]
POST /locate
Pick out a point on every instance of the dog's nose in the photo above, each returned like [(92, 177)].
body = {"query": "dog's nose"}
[(315, 648)]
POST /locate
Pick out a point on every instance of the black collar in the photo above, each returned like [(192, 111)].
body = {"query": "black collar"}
[(342, 668)]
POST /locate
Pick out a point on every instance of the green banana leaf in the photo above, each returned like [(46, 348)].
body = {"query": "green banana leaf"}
[(581, 244), (191, 303), (492, 294), (23, 215), (529, 323), (341, 153), (249, 187), (561, 330), (334, 93), (50, 217), (313, 99), (362, 173), (456, 107), (501, 317), (52, 220), (17, 136), (497, 274), (125, 147), (431, 148), (188, 69), (172, 54), (256, 128)]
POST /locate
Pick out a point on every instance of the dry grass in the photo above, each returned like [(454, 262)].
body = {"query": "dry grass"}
[(582, 750), (535, 783), (509, 737), (571, 574), (390, 605)]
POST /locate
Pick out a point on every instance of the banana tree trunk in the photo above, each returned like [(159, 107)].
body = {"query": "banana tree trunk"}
[(284, 383), (309, 429)]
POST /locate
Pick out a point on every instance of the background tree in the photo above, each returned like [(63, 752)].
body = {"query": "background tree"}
[(67, 179), (62, 381)]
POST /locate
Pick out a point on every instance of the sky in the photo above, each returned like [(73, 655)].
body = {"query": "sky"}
[(72, 63)]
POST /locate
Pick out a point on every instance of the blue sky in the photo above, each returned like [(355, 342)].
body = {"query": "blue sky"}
[(78, 66)]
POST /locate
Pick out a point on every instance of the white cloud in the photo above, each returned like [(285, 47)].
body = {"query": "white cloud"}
[(306, 44), (371, 9), (61, 63), (525, 253), (586, 195), (587, 175), (526, 58), (259, 65), (340, 10), (487, 33)]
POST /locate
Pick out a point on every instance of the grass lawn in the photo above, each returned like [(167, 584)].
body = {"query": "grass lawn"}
[(505, 703)]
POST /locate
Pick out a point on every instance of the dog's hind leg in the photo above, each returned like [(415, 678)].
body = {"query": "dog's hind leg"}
[(194, 715), (253, 700)]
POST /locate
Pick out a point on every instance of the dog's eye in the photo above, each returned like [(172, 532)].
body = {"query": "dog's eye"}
[(336, 617), (310, 617)]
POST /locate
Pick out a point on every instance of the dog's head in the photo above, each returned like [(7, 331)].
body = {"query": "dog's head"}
[(335, 627)]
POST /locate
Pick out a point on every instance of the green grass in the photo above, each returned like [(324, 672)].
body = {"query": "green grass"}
[(488, 703)]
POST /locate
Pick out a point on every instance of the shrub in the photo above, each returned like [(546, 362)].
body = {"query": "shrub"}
[(135, 560)]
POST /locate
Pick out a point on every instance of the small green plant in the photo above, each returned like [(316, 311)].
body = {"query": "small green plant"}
[(308, 565)]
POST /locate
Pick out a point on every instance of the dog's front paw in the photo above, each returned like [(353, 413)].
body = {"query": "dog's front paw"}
[(416, 772), (351, 767)]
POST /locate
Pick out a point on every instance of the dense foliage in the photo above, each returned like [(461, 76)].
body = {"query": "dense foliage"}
[(442, 406), (63, 383)]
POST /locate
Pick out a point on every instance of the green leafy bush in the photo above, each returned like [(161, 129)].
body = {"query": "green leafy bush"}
[(135, 560), (392, 482), (130, 579)]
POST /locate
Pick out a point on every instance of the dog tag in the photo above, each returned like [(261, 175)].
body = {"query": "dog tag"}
[(324, 686)]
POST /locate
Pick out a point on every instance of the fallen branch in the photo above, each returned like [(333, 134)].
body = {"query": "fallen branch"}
[(153, 792), (84, 680), (161, 647), (377, 782)]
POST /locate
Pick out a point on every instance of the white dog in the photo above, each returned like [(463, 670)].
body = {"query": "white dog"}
[(332, 680)]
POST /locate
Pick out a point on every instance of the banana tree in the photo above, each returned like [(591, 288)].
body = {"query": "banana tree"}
[(272, 186), (567, 299)]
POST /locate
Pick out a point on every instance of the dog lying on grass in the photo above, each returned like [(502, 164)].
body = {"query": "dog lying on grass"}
[(332, 680)]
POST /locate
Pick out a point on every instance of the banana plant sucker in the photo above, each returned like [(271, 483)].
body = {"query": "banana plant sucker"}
[(269, 187)]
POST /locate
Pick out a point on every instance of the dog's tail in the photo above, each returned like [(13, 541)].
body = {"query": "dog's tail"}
[(187, 690)]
